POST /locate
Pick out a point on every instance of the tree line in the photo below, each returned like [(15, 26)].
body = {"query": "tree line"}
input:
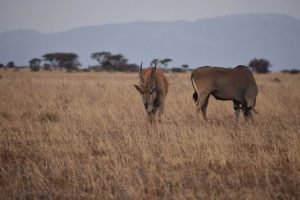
[(107, 61), (70, 61)]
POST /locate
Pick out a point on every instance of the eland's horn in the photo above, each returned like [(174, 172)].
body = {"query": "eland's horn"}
[(141, 67), (141, 77), (153, 75)]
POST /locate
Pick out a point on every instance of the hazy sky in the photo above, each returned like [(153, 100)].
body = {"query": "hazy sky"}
[(59, 15)]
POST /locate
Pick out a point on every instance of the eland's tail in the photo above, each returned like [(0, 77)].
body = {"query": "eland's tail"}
[(195, 94), (254, 110)]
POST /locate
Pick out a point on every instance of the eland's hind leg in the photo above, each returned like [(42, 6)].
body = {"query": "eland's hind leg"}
[(202, 103), (204, 107)]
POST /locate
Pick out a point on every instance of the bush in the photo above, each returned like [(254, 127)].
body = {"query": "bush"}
[(10, 64), (86, 70), (128, 68), (178, 70), (72, 69), (276, 79), (35, 68), (292, 71), (47, 67), (96, 68), (260, 65)]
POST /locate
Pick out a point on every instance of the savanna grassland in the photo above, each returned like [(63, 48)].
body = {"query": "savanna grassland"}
[(85, 136)]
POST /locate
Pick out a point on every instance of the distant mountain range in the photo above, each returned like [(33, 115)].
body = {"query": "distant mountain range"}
[(220, 41)]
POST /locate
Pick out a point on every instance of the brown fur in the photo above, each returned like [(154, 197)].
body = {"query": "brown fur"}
[(153, 88), (237, 84)]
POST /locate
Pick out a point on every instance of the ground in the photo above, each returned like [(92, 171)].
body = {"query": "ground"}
[(85, 136)]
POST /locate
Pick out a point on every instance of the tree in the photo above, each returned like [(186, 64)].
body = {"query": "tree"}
[(10, 64), (34, 64), (1, 65), (259, 65), (51, 58), (69, 61), (109, 61), (185, 66), (154, 62), (165, 62), (117, 61), (102, 57)]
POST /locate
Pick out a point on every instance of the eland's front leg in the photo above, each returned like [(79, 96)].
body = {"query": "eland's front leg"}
[(160, 112)]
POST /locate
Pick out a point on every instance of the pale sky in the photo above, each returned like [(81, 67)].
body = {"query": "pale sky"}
[(61, 15)]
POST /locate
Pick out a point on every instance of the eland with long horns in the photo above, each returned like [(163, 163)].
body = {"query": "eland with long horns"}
[(153, 88)]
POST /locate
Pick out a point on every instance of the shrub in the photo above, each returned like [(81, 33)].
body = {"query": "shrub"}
[(49, 117), (47, 67), (294, 71), (10, 64), (85, 70), (35, 68), (178, 70), (260, 65), (72, 69), (291, 71)]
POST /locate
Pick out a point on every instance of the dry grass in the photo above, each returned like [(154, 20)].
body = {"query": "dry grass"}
[(84, 136)]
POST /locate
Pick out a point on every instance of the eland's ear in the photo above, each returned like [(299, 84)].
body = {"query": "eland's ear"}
[(138, 88)]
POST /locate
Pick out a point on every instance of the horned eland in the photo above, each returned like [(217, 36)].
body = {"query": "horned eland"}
[(153, 88), (237, 84)]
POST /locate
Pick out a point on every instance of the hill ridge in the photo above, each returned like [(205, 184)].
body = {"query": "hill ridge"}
[(222, 41)]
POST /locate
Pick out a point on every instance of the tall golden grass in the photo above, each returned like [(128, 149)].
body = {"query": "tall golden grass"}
[(85, 136)]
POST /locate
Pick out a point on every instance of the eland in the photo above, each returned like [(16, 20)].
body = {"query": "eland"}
[(153, 88), (237, 84)]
